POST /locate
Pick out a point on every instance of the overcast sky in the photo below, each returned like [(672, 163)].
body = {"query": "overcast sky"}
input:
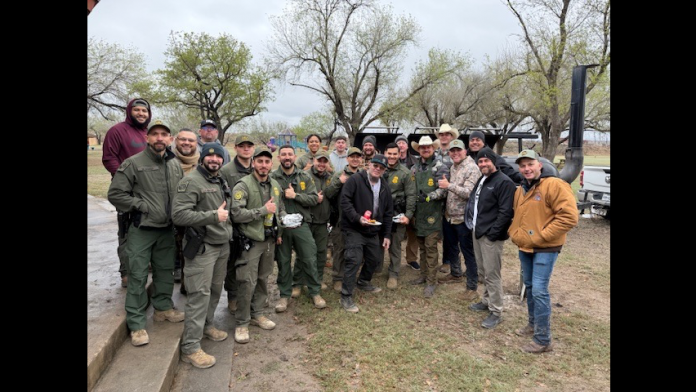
[(479, 27)]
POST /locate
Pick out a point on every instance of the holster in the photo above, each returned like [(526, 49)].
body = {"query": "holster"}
[(194, 240), (123, 219)]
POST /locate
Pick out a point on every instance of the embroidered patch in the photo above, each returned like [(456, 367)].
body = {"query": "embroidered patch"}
[(277, 192), (124, 165), (431, 182), (413, 177), (328, 181), (303, 185), (537, 196), (239, 194), (210, 190), (431, 220), (395, 180), (182, 186)]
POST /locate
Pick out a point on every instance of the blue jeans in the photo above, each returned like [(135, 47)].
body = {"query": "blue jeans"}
[(456, 237), (536, 272)]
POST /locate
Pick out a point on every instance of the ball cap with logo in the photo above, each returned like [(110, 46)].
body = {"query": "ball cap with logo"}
[(379, 158), (242, 138), (456, 143), (159, 123), (208, 122), (262, 151), (531, 154)]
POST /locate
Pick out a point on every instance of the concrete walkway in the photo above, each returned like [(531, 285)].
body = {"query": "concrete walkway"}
[(113, 364)]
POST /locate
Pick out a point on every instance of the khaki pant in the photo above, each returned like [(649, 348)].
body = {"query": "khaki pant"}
[(204, 276), (489, 260), (429, 256), (411, 244), (252, 269)]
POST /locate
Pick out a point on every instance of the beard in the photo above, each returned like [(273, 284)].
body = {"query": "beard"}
[(211, 166)]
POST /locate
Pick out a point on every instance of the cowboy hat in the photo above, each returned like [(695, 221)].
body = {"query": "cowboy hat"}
[(425, 141), (447, 129)]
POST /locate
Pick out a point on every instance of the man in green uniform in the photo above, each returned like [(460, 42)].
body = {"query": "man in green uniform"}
[(299, 194), (320, 215), (429, 210), (333, 193), (258, 208), (403, 191), (144, 185), (201, 204), (232, 172)]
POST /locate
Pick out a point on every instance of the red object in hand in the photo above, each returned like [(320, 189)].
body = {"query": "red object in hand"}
[(367, 214)]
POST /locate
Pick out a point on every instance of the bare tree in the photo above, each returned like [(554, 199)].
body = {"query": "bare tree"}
[(115, 74), (559, 34), (349, 51)]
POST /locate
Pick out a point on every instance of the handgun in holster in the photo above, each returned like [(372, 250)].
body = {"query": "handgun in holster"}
[(123, 219), (194, 240)]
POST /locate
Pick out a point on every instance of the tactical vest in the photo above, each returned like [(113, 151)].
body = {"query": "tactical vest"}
[(428, 214), (254, 229)]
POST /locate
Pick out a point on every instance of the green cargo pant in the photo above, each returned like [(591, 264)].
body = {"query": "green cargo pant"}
[(149, 246), (306, 259), (394, 251), (204, 276), (252, 269), (429, 256), (320, 233)]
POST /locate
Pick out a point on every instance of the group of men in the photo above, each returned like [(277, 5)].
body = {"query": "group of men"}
[(188, 206)]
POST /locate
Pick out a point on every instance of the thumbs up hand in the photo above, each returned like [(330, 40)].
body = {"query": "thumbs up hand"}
[(290, 193), (222, 212), (321, 196), (443, 183), (270, 206)]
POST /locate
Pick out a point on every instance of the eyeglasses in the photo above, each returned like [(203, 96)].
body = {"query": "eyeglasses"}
[(208, 128), (183, 139)]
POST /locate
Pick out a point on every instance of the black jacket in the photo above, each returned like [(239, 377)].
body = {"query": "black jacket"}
[(356, 198), (502, 166), (494, 207)]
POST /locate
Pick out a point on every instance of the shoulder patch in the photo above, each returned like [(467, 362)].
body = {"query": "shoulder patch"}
[(395, 180), (182, 186), (276, 191), (238, 195), (303, 186), (124, 165)]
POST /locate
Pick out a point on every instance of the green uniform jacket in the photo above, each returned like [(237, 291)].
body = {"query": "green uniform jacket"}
[(146, 182), (321, 211), (428, 214), (333, 191), (302, 161), (403, 189), (248, 206), (197, 199), (306, 192), (233, 172)]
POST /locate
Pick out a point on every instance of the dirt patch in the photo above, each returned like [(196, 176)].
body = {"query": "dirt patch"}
[(274, 360), (280, 360)]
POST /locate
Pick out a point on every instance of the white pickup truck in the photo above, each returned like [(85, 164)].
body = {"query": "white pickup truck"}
[(594, 194)]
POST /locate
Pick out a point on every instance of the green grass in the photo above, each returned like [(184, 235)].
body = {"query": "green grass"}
[(400, 341), (98, 178)]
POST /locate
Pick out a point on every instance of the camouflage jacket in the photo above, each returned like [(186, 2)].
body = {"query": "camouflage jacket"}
[(463, 177)]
